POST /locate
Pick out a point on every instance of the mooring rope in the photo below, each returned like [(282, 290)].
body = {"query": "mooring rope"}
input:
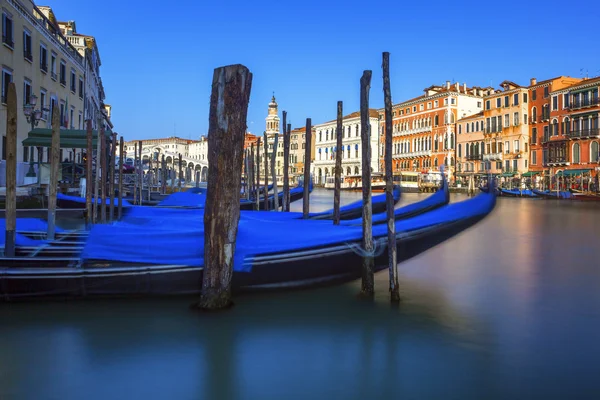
[(360, 251)]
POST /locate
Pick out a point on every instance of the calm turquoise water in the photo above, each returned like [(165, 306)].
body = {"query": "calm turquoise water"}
[(509, 309)]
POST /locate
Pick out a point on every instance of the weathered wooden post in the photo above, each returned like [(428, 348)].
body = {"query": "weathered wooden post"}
[(121, 155), (307, 155), (286, 195), (98, 171), (135, 173), (73, 165), (11, 171), (266, 173), (227, 126), (54, 164), (88, 173), (368, 285), (102, 139), (163, 173), (338, 165), (389, 182), (141, 172), (251, 178), (180, 174), (286, 164), (197, 179), (111, 184), (273, 174), (247, 174), (258, 174)]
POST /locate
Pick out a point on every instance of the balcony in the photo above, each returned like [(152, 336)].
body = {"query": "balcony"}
[(545, 117), (533, 120), (584, 133), (557, 161), (492, 157), (412, 154), (583, 103), (413, 131), (545, 138), (474, 157)]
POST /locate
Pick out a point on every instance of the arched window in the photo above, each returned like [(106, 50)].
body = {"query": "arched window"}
[(460, 150), (435, 143), (320, 136), (436, 121), (575, 154), (554, 127), (348, 171), (435, 163), (356, 171), (476, 126), (460, 128), (594, 152), (482, 147), (452, 140), (533, 114), (566, 126)]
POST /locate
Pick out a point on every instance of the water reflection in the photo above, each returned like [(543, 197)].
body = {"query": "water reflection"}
[(508, 309)]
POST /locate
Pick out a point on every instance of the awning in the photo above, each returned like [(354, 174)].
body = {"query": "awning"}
[(530, 174), (572, 172), (69, 138), (507, 174)]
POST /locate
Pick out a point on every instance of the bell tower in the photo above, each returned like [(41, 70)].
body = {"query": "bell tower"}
[(272, 120)]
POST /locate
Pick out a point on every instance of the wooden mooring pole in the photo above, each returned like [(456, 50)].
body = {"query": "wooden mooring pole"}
[(135, 173), (368, 285), (389, 183), (98, 172), (163, 174), (141, 173), (180, 177), (257, 207), (266, 172), (11, 171), (104, 174), (286, 195), (111, 184), (307, 154), (121, 155), (227, 126), (286, 164), (338, 165), (251, 178), (273, 174), (89, 184), (54, 164)]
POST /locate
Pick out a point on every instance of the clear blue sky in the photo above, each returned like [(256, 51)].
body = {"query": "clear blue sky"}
[(158, 57)]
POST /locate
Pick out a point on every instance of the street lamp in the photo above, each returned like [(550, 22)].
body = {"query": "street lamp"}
[(33, 117)]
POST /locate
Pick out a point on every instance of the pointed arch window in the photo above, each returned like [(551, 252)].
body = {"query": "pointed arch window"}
[(576, 154)]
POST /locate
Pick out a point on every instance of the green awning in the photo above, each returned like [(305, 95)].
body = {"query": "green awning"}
[(572, 172), (507, 174), (530, 174), (69, 138)]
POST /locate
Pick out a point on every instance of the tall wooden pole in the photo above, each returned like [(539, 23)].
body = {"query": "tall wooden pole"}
[(98, 172), (368, 285), (73, 166), (258, 174), (227, 126), (88, 173), (389, 183), (286, 195), (54, 164), (251, 178), (338, 165), (104, 174), (121, 156), (273, 174), (111, 184), (307, 155), (163, 170), (180, 175), (141, 173), (135, 173), (266, 172), (286, 163), (11, 170)]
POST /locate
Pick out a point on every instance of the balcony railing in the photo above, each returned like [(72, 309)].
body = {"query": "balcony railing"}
[(545, 117), (533, 119), (474, 157), (413, 131), (412, 154), (582, 103), (557, 160), (8, 41), (584, 133), (492, 157), (545, 138)]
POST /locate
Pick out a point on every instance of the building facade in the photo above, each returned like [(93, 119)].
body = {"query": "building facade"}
[(46, 68), (326, 144), (424, 128), (470, 146)]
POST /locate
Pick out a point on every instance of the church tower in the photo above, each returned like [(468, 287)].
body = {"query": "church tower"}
[(272, 119)]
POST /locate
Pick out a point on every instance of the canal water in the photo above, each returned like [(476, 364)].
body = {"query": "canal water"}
[(509, 309)]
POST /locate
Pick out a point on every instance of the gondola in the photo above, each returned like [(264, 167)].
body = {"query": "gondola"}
[(295, 194), (547, 194), (517, 193), (75, 202), (270, 255)]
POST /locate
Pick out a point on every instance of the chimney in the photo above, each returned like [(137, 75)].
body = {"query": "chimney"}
[(448, 85), (457, 86), (465, 87), (532, 81)]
